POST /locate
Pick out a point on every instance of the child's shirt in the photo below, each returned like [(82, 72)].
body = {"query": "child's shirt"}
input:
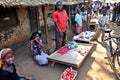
[(78, 19), (37, 49), (6, 75), (103, 20)]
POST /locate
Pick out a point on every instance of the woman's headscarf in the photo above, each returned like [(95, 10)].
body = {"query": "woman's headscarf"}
[(3, 53)]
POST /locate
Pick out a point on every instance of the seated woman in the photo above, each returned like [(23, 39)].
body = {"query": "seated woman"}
[(36, 48), (7, 67)]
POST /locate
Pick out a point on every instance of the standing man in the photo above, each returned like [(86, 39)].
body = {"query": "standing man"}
[(60, 19)]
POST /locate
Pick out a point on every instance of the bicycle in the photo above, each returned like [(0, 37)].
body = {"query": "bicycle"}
[(113, 54)]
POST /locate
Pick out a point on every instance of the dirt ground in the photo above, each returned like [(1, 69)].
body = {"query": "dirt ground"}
[(95, 66)]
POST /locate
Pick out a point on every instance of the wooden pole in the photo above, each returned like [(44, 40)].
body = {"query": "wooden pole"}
[(45, 21)]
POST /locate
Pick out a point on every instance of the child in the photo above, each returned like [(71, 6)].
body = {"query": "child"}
[(7, 68), (78, 20), (103, 22), (36, 48)]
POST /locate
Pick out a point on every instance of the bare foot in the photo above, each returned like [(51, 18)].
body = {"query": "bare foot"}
[(52, 64)]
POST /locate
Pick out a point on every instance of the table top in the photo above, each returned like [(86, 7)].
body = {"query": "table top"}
[(77, 37), (73, 57)]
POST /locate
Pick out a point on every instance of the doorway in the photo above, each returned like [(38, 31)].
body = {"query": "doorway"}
[(34, 18)]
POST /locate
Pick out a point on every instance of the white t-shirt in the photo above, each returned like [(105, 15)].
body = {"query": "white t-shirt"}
[(103, 20)]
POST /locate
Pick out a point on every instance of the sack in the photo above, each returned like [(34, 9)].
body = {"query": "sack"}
[(78, 29)]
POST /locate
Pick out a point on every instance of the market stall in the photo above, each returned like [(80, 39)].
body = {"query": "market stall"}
[(87, 36), (73, 54)]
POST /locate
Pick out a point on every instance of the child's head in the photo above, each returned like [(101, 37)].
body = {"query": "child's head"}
[(6, 55), (36, 34), (104, 12), (78, 10)]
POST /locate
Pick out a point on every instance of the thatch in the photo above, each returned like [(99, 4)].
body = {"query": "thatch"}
[(65, 2), (10, 3)]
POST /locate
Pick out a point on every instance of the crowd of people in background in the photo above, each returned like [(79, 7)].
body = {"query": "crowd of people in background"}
[(113, 9), (104, 12)]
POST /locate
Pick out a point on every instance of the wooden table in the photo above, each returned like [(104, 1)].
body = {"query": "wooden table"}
[(73, 57), (93, 27), (77, 37)]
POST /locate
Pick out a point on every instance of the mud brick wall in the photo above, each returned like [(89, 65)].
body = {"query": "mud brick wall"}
[(17, 33)]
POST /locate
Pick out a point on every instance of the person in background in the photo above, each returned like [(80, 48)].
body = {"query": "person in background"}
[(108, 9), (84, 18), (60, 19), (7, 67), (90, 9), (95, 9), (103, 24), (36, 47), (118, 11), (118, 8), (114, 12), (78, 20), (100, 8)]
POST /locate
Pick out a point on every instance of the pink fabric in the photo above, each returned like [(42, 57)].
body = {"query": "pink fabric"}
[(63, 50), (78, 29)]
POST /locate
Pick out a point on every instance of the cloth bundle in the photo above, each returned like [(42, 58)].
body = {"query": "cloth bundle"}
[(72, 45)]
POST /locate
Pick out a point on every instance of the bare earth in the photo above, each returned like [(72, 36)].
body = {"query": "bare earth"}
[(95, 66)]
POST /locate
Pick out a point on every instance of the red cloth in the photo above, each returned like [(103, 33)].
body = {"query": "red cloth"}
[(63, 50), (61, 18)]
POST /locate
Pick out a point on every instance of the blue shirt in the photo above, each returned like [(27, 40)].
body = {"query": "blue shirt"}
[(78, 19)]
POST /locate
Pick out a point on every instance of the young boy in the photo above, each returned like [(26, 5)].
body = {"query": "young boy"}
[(103, 22)]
